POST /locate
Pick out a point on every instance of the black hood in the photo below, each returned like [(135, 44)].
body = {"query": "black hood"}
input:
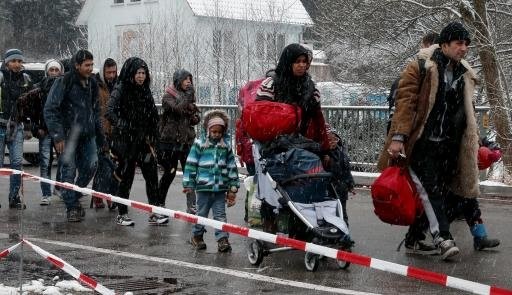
[(179, 76), (130, 67), (288, 57)]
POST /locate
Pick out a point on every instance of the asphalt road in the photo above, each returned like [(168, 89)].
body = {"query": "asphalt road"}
[(163, 258)]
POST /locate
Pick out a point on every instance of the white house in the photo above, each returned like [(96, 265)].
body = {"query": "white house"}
[(222, 42)]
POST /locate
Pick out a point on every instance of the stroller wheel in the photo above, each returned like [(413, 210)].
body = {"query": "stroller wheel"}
[(311, 261), (342, 264), (255, 252)]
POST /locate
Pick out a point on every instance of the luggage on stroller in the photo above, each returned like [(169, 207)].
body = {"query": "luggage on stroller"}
[(296, 191)]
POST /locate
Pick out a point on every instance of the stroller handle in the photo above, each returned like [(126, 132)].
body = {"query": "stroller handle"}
[(307, 176)]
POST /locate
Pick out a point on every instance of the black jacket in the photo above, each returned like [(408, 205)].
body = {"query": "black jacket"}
[(132, 110), (12, 86)]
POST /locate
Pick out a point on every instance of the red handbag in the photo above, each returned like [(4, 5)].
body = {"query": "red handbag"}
[(395, 198), (264, 120)]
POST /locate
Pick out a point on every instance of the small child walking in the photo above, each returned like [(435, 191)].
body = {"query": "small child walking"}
[(211, 172)]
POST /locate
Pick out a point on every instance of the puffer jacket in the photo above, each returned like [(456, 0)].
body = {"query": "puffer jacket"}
[(211, 165)]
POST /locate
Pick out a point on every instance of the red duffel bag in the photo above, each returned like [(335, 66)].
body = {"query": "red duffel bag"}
[(264, 120), (395, 198)]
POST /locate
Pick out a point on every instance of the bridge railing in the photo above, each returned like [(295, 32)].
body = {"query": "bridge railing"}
[(362, 129)]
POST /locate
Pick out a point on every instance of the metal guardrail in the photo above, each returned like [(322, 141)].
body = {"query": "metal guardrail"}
[(362, 129)]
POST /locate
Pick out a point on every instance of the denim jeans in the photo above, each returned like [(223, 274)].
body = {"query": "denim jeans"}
[(80, 156), (15, 157), (45, 163), (216, 201)]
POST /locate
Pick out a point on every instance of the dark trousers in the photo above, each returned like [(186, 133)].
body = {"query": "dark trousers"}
[(434, 163), (103, 179), (168, 160), (126, 172)]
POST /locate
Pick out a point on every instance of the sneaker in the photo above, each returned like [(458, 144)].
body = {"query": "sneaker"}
[(482, 243), (124, 220), (45, 201), (198, 242), (158, 219), (447, 248), (421, 248), (74, 215), (223, 245)]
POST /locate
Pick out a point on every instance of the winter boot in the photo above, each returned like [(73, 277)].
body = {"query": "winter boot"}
[(480, 240), (223, 245), (198, 242)]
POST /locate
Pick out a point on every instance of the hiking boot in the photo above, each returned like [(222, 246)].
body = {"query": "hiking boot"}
[(198, 242), (124, 220), (74, 215), (158, 219), (482, 243), (447, 248), (45, 201), (420, 248), (17, 204), (223, 245)]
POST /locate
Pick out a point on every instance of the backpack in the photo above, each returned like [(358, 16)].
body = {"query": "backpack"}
[(394, 90), (395, 198)]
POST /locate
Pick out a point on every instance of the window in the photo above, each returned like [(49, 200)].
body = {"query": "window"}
[(118, 1), (134, 0), (269, 45), (217, 43)]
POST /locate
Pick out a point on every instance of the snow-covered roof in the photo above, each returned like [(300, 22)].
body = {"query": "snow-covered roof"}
[(282, 11)]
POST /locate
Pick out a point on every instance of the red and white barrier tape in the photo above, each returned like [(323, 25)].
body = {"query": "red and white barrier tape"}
[(9, 250), (82, 278), (408, 271)]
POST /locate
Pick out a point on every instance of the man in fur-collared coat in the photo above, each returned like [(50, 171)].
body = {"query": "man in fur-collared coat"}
[(434, 127)]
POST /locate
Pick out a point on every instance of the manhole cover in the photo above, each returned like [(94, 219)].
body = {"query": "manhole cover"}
[(144, 286)]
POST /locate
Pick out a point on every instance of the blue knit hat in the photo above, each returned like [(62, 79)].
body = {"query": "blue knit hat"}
[(13, 54)]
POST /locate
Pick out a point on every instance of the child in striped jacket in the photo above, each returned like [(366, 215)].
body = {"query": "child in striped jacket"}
[(211, 171)]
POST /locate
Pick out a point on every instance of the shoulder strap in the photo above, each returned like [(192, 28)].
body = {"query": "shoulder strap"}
[(423, 72)]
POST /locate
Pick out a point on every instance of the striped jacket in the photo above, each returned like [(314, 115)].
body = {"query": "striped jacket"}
[(211, 168)]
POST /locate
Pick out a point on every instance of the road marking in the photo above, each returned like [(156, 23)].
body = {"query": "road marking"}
[(230, 272)]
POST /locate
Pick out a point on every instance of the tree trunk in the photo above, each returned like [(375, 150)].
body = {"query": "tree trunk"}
[(493, 86)]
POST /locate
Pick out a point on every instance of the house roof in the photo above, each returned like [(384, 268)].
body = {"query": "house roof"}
[(282, 11)]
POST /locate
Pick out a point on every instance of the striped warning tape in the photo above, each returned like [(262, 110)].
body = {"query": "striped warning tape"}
[(9, 250), (82, 278), (408, 271)]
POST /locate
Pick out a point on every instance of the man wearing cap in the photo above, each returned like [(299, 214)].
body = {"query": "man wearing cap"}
[(434, 128), (13, 83)]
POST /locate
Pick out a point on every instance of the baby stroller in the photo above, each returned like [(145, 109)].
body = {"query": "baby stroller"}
[(294, 188)]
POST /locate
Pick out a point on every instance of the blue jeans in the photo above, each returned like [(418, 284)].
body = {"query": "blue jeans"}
[(81, 156), (215, 201), (45, 163), (15, 157)]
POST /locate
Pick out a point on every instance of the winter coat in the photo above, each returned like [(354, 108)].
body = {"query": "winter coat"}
[(282, 86), (412, 112), (104, 95), (12, 86), (73, 108), (132, 111), (211, 165), (180, 115)]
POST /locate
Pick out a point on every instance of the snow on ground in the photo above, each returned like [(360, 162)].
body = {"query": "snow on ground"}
[(47, 288)]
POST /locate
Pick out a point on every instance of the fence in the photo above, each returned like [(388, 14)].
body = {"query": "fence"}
[(362, 129)]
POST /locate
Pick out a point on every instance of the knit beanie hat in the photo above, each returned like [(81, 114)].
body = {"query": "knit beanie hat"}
[(53, 63), (454, 31), (13, 54)]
